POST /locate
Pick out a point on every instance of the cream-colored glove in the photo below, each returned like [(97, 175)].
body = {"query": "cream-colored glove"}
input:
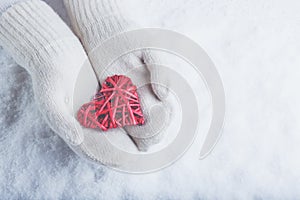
[(94, 21), (40, 42)]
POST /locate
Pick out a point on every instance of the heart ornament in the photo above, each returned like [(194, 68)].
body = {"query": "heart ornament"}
[(116, 104)]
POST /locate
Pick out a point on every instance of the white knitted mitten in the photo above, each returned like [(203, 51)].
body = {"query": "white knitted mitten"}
[(40, 42), (93, 22)]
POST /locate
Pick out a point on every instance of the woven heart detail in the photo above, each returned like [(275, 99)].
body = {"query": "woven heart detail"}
[(116, 104)]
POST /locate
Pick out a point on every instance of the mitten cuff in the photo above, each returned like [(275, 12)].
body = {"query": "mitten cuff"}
[(35, 35), (96, 20)]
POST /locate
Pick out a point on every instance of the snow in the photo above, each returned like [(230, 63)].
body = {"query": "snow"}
[(254, 45)]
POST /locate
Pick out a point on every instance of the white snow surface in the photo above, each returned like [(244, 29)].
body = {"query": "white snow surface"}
[(255, 46)]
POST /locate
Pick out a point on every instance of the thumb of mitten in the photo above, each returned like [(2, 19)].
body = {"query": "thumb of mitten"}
[(59, 117)]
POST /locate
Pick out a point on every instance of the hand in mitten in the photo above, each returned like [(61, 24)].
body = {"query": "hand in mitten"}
[(39, 41), (95, 21)]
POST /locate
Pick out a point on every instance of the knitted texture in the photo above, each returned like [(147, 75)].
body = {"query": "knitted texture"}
[(93, 22), (5, 4), (39, 41)]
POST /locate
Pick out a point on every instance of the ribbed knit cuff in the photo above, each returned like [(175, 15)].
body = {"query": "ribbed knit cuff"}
[(96, 20), (35, 35)]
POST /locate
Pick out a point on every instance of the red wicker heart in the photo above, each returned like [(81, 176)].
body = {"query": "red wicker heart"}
[(115, 105)]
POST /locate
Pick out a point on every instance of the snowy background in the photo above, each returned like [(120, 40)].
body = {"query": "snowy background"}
[(255, 46)]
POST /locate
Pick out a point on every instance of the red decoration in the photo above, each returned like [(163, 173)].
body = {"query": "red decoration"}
[(116, 104)]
